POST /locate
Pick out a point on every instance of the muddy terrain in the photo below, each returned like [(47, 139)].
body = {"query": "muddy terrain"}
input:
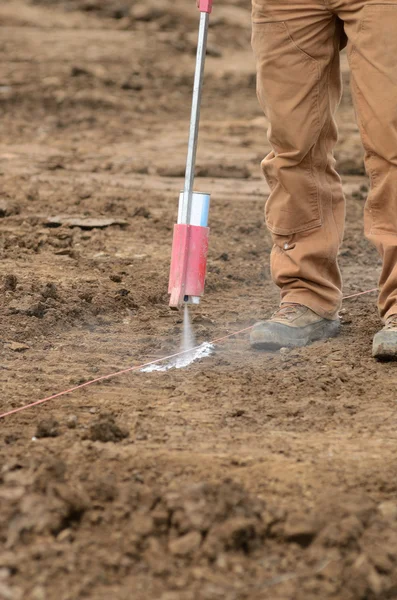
[(245, 476)]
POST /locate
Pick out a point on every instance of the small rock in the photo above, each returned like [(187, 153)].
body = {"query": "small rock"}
[(388, 510), (362, 569), (71, 422), (8, 593), (8, 560), (47, 428), (301, 531), (66, 535), (156, 557), (214, 51), (142, 525), (38, 593), (33, 193), (187, 544)]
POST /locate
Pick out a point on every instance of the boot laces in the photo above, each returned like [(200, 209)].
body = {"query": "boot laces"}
[(391, 322), (287, 310)]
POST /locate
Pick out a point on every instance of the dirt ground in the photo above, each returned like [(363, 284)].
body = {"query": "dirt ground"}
[(245, 476)]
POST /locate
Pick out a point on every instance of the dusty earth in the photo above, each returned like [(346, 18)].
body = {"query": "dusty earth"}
[(247, 475)]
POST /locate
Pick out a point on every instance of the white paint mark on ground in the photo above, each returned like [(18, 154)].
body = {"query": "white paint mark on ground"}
[(180, 362)]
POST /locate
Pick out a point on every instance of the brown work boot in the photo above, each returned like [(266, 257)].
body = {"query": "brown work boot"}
[(385, 341), (291, 326)]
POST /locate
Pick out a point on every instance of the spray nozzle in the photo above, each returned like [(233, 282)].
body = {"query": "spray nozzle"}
[(191, 299)]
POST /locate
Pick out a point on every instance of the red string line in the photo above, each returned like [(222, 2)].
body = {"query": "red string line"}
[(138, 367), (360, 294)]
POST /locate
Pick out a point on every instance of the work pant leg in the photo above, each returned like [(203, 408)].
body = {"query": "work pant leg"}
[(371, 27), (296, 45)]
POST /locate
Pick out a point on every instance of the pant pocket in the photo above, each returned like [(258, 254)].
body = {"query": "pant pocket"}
[(288, 82)]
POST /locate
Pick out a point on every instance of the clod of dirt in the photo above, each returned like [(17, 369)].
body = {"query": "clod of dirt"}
[(10, 283), (170, 171), (77, 71), (27, 306), (236, 534), (146, 12), (212, 519), (33, 193), (51, 470), (7, 209), (47, 428), (17, 347), (301, 531), (223, 171), (54, 509), (129, 84), (10, 439), (122, 292), (54, 163), (107, 430), (50, 291), (105, 489), (142, 211), (116, 278), (240, 412), (83, 222), (214, 51)]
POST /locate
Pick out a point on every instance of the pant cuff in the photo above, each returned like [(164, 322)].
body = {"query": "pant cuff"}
[(390, 312), (309, 300)]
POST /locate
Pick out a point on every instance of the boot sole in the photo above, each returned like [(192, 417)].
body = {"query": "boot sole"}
[(385, 345), (275, 335)]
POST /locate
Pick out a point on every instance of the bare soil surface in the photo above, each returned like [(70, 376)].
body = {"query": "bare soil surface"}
[(244, 476)]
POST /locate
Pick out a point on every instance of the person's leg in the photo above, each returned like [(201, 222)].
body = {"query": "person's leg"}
[(296, 45), (371, 27)]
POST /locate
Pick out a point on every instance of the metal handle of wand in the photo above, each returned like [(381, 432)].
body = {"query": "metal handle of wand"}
[(195, 118)]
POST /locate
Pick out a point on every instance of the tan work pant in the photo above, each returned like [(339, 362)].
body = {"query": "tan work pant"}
[(297, 45)]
